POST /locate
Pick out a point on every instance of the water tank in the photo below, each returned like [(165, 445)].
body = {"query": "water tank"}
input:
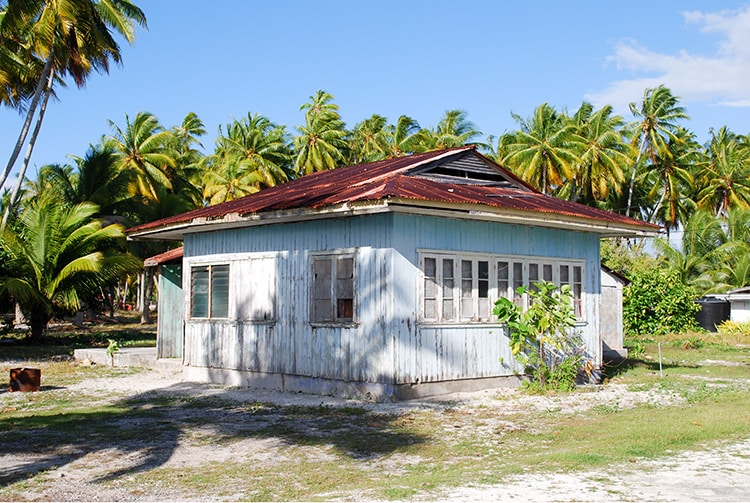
[(713, 312)]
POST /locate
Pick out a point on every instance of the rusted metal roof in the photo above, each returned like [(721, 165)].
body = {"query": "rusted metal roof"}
[(164, 258), (419, 178)]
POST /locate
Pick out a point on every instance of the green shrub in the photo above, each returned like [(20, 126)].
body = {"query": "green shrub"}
[(657, 303)]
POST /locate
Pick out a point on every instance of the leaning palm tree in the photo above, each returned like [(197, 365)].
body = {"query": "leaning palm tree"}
[(61, 38), (658, 115), (57, 255)]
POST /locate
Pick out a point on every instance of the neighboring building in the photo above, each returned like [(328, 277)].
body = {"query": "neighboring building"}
[(169, 328), (610, 315), (739, 301), (378, 280)]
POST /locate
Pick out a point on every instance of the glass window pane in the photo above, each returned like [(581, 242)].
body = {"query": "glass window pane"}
[(466, 269), (564, 274), (429, 309), (430, 267), (448, 309), (447, 268), (448, 285), (220, 291), (199, 292), (503, 274), (547, 272)]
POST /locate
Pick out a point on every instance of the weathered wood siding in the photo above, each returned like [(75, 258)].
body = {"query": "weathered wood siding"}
[(288, 343), (170, 322), (387, 345), (445, 352)]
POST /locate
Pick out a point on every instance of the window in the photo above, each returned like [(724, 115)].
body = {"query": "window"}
[(209, 291), (332, 289), (463, 287)]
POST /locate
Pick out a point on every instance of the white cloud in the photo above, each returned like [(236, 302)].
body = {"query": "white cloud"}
[(721, 79)]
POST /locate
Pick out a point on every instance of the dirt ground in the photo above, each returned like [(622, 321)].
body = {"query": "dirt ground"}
[(720, 473)]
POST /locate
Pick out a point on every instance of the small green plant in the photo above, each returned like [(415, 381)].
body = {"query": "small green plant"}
[(542, 337), (112, 350)]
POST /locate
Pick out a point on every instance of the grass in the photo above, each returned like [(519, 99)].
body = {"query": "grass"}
[(324, 453), (59, 342)]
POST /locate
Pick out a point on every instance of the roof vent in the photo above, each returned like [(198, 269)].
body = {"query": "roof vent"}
[(466, 169)]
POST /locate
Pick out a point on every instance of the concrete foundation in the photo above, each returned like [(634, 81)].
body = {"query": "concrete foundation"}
[(377, 392)]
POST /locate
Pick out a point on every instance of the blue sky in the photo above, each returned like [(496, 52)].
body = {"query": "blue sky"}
[(226, 58)]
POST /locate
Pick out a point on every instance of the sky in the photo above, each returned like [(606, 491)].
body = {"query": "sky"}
[(227, 58)]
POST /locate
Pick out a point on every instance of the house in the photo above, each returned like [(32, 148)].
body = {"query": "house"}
[(378, 280)]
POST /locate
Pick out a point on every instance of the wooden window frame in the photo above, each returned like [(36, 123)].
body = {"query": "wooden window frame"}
[(210, 295), (329, 305), (506, 273)]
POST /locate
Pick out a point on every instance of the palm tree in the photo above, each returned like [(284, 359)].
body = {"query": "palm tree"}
[(253, 145), (603, 154), (543, 150), (368, 141), (672, 180), (321, 144), (142, 149), (453, 130), (402, 136), (724, 181), (57, 255), (189, 161), (231, 182), (70, 37), (658, 115)]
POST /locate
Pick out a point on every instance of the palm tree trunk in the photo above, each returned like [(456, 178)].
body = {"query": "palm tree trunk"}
[(148, 280), (29, 150), (43, 79), (632, 181)]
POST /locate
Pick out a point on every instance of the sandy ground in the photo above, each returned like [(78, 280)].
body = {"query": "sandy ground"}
[(721, 473)]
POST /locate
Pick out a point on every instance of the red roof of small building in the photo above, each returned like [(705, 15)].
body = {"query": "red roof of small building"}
[(164, 258), (442, 179)]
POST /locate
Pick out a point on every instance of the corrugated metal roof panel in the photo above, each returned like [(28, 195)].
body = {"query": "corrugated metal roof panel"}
[(400, 178)]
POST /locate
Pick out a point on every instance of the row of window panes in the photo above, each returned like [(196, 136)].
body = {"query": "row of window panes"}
[(477, 286), (332, 290)]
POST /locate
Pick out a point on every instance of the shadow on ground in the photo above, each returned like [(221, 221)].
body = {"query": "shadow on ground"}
[(144, 431)]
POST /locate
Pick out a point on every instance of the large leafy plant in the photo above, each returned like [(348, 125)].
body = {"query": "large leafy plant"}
[(542, 337)]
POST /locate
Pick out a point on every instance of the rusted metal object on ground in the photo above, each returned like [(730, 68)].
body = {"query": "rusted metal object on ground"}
[(25, 379)]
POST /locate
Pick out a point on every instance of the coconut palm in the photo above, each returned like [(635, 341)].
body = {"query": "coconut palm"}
[(402, 136), (143, 151), (671, 180), (253, 145), (453, 130), (543, 150), (658, 115), (724, 181), (58, 255), (368, 141), (603, 155), (231, 182), (321, 144), (71, 38)]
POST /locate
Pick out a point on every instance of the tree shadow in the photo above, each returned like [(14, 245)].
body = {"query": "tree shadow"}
[(614, 369), (145, 430)]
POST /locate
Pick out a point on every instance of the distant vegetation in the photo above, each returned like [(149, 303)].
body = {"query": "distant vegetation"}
[(649, 166)]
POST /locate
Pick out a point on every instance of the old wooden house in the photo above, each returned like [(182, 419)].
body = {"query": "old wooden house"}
[(379, 279)]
